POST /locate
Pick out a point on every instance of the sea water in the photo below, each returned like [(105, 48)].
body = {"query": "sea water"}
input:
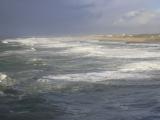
[(75, 79)]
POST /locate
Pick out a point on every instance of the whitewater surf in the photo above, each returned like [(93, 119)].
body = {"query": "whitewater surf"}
[(68, 78)]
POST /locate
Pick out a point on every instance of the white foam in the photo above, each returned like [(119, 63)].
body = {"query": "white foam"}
[(37, 61), (17, 52), (5, 80), (2, 77), (94, 77), (86, 48), (33, 49), (24, 41), (4, 42), (43, 42), (142, 66), (99, 51), (145, 44)]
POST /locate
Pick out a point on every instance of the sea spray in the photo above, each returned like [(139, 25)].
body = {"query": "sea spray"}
[(5, 80)]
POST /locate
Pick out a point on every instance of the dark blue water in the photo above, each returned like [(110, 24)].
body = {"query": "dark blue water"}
[(68, 79)]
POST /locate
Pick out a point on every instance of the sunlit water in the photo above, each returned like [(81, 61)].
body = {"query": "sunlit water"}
[(68, 79)]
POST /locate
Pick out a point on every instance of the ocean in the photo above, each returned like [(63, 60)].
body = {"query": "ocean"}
[(75, 79)]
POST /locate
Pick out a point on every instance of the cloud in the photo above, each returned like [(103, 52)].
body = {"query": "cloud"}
[(139, 17), (21, 17)]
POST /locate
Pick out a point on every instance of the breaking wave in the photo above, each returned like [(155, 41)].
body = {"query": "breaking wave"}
[(5, 80), (68, 48), (94, 77), (2, 77), (86, 48), (142, 66)]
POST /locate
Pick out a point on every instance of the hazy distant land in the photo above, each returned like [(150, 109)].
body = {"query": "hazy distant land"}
[(138, 38), (127, 37)]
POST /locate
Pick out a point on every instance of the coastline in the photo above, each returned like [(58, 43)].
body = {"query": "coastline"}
[(128, 38), (138, 38)]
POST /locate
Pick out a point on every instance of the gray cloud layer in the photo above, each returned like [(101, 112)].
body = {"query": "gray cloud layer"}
[(50, 17)]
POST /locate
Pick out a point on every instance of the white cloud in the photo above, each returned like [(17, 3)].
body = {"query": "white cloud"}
[(139, 17)]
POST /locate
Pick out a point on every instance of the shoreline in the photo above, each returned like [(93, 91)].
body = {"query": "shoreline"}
[(139, 38), (128, 38)]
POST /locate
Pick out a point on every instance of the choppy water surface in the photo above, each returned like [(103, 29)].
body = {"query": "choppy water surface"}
[(68, 79)]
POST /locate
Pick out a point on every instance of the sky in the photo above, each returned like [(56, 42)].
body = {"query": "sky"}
[(74, 17)]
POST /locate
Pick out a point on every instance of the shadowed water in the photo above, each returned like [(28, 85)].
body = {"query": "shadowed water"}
[(68, 79)]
